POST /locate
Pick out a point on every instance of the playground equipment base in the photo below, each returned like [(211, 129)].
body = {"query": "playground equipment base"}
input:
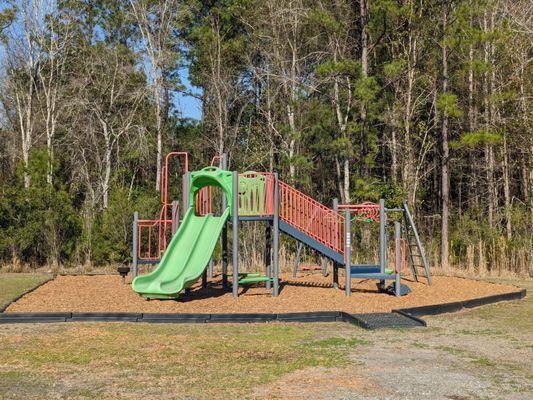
[(402, 318), (307, 299)]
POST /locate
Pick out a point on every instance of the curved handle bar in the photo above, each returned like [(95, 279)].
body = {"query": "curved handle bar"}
[(210, 168)]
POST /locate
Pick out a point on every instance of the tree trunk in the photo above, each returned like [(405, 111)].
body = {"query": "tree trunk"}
[(394, 157), (159, 133), (472, 178), (107, 168), (489, 153), (341, 121), (445, 195), (363, 9), (409, 175), (506, 188)]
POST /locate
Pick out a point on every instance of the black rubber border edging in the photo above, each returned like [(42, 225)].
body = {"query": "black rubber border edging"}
[(3, 308), (318, 316), (436, 309)]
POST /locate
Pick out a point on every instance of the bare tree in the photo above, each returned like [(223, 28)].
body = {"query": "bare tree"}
[(25, 59), (108, 94), (52, 80), (157, 20)]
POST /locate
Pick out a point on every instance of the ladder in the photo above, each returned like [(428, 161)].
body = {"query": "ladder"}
[(415, 249)]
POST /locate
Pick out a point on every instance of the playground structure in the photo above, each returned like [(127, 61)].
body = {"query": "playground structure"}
[(183, 249)]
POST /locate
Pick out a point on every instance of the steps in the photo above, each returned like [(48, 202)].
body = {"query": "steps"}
[(370, 272), (415, 250)]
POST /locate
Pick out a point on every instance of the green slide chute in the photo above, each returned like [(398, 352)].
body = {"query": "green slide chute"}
[(190, 249)]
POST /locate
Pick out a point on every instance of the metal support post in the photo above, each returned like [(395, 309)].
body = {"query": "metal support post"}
[(210, 268), (347, 250), (235, 228), (268, 255), (297, 259), (135, 250), (175, 217), (276, 235), (204, 279), (224, 232), (397, 256), (382, 240), (335, 264), (186, 188)]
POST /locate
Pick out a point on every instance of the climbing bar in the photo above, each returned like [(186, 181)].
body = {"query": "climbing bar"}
[(367, 211), (154, 234)]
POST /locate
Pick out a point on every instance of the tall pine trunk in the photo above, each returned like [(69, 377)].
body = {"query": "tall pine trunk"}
[(445, 179)]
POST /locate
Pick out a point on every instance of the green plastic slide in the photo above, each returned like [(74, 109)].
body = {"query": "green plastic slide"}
[(190, 249), (185, 259)]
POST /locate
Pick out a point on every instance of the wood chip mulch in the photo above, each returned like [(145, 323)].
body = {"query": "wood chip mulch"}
[(308, 292)]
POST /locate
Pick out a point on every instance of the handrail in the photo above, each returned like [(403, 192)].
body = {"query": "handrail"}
[(163, 222), (164, 172), (297, 209)]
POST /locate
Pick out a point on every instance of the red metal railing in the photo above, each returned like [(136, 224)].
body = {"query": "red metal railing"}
[(203, 204), (311, 217), (155, 234)]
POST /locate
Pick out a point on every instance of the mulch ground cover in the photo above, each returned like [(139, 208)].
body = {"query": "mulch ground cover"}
[(308, 292)]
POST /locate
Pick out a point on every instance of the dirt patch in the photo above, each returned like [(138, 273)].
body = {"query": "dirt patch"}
[(315, 383), (308, 292)]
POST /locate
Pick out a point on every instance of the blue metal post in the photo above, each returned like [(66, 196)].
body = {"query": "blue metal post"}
[(134, 262), (347, 247), (235, 226)]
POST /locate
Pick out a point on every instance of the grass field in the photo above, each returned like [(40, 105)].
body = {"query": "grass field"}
[(484, 353), (12, 285)]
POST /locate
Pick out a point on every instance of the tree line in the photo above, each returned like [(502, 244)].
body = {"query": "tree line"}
[(423, 101)]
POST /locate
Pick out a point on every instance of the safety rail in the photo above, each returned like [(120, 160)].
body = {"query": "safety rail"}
[(256, 196), (311, 217), (204, 201), (155, 234)]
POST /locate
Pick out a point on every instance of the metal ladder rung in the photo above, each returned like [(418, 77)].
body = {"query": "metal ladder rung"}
[(414, 242)]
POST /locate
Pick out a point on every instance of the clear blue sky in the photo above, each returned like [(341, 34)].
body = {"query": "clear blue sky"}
[(188, 106)]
